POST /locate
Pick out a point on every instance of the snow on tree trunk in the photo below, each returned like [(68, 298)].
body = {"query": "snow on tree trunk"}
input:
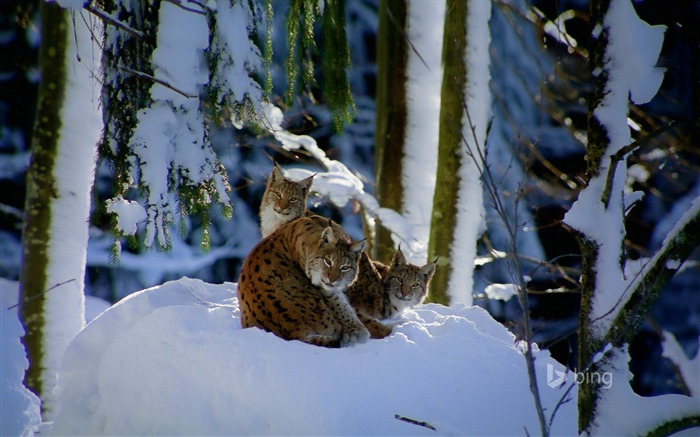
[(424, 81), (392, 58), (457, 217), (623, 55), (59, 182)]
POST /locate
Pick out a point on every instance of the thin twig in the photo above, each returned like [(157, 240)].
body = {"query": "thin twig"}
[(616, 157), (40, 294), (143, 75), (479, 160), (113, 21), (181, 5), (414, 422)]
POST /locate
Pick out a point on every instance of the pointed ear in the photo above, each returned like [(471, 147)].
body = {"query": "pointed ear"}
[(328, 237), (305, 184), (399, 258), (359, 246), (276, 173), (428, 270)]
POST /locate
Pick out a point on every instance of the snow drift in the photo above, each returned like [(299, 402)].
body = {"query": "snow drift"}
[(173, 360)]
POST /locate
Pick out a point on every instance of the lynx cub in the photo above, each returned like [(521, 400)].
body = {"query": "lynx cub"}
[(293, 284), (383, 292), (283, 201)]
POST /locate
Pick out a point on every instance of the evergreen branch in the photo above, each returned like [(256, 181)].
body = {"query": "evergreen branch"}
[(143, 75), (114, 21), (616, 157)]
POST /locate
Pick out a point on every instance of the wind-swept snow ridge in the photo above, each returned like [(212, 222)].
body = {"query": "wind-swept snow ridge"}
[(173, 360)]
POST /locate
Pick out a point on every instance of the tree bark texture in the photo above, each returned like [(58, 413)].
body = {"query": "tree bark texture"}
[(41, 190), (392, 61), (447, 185)]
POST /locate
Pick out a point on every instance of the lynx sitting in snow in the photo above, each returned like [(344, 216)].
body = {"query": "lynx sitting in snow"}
[(283, 201), (293, 284), (383, 292), (380, 291)]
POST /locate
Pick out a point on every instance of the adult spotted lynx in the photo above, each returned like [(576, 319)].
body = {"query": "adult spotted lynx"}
[(293, 284), (384, 292), (283, 201)]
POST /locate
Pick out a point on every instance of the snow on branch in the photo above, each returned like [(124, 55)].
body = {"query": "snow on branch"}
[(688, 368), (628, 72), (646, 285), (169, 149), (234, 61), (338, 183)]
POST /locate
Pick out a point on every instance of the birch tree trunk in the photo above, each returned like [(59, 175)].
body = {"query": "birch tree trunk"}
[(59, 182)]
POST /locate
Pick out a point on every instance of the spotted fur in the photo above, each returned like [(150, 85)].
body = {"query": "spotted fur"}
[(384, 292), (283, 201), (293, 284)]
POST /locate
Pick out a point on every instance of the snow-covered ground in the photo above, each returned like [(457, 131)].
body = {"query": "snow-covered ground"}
[(173, 360)]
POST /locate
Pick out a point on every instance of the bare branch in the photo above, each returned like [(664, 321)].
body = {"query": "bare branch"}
[(414, 422), (620, 154), (113, 21), (478, 156), (182, 5), (143, 75), (29, 299)]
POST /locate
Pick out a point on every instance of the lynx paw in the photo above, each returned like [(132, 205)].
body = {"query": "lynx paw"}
[(358, 334)]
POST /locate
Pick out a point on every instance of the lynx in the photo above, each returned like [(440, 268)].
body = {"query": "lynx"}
[(383, 292), (293, 284), (283, 201)]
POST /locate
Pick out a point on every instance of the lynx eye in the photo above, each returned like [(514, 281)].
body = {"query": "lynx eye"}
[(294, 199), (345, 269), (277, 194), (327, 262), (397, 280), (415, 285)]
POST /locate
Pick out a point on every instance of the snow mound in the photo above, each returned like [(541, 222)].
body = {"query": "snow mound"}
[(19, 407), (173, 360)]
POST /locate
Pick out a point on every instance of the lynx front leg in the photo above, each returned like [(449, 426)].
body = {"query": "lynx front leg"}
[(353, 329), (376, 328)]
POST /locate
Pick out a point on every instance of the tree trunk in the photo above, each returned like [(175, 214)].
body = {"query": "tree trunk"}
[(57, 210), (450, 156), (392, 59), (589, 342), (457, 202), (41, 189)]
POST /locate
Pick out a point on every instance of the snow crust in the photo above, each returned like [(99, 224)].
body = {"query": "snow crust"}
[(173, 360)]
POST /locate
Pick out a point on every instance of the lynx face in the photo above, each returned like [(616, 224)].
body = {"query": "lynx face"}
[(333, 265), (283, 201), (407, 284)]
